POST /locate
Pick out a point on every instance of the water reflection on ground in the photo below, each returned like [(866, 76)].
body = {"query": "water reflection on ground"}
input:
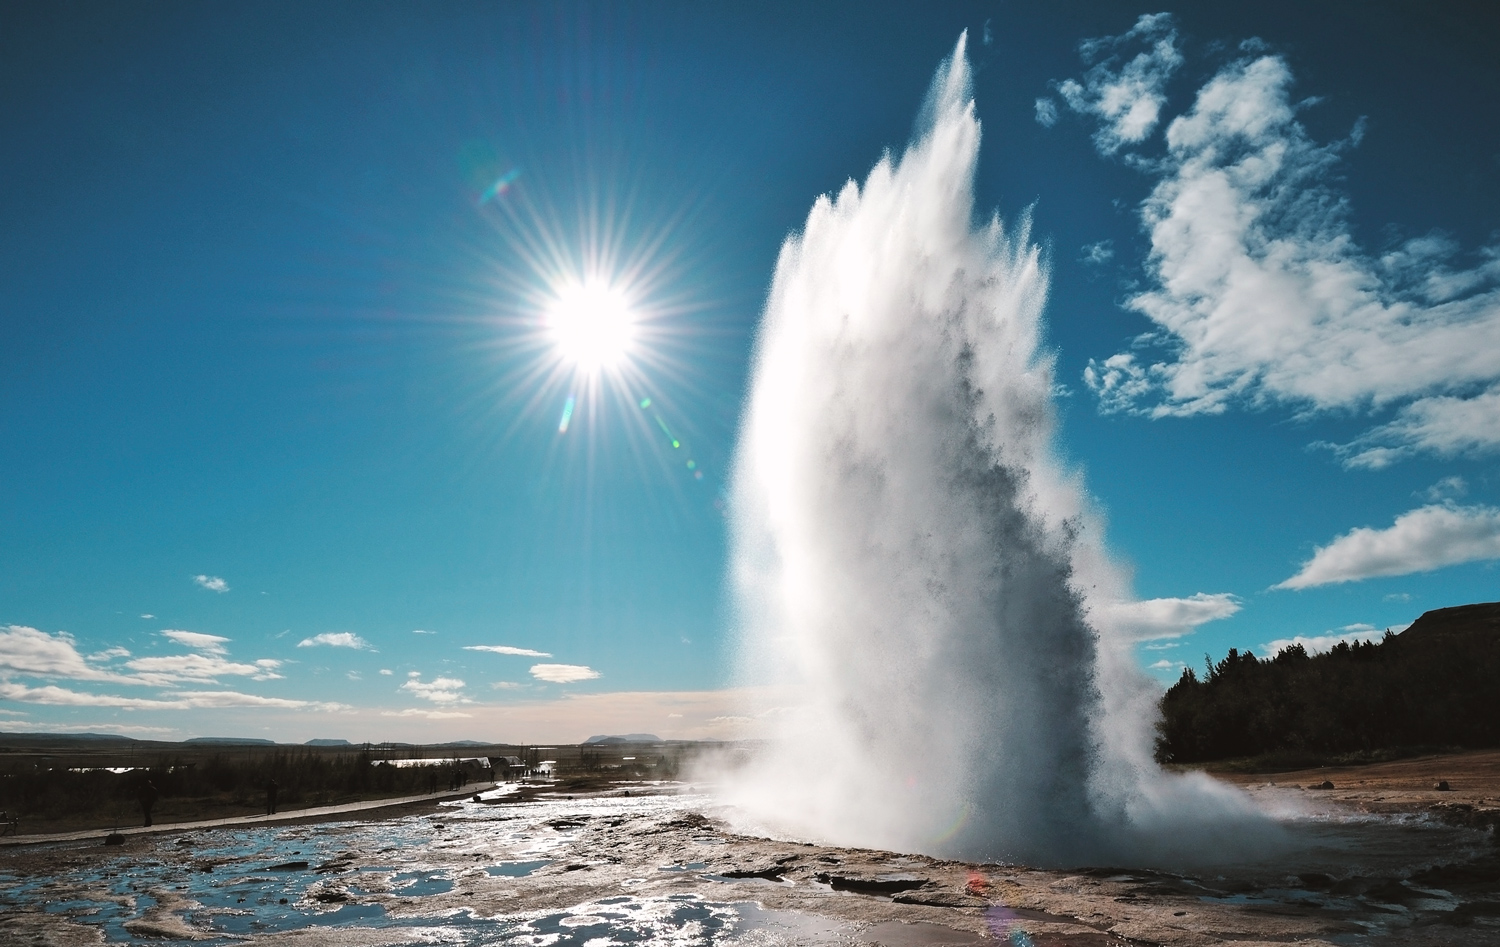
[(643, 868)]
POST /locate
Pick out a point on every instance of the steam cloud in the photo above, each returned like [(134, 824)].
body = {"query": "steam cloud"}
[(915, 573)]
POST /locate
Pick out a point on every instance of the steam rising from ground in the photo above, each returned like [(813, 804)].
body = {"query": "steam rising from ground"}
[(915, 570)]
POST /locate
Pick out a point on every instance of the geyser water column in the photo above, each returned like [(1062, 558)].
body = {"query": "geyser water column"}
[(913, 570)]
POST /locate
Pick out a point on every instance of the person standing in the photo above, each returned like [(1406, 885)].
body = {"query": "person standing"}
[(271, 797), (146, 795)]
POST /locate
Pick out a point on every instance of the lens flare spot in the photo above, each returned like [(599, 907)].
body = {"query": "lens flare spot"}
[(592, 325), (567, 416)]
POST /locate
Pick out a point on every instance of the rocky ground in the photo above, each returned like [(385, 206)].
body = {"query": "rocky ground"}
[(655, 864)]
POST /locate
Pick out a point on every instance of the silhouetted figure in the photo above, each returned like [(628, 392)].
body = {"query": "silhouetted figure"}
[(147, 795), (271, 797), (432, 781)]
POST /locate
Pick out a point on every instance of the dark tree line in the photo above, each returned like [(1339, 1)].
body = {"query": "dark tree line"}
[(301, 776), (1437, 684)]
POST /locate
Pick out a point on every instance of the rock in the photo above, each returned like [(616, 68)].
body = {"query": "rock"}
[(1442, 786), (768, 872), (940, 899), (1325, 784), (864, 884), (288, 866), (114, 838)]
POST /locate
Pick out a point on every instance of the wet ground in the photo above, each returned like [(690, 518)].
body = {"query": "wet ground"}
[(655, 865)]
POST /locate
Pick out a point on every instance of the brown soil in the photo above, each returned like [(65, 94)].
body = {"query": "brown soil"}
[(1473, 794)]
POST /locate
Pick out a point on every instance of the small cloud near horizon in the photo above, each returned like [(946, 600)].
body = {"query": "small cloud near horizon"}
[(507, 649), (563, 673), (211, 582), (1420, 540), (196, 640), (1318, 644), (336, 639)]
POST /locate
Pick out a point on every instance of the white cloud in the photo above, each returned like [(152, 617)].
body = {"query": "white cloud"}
[(234, 699), (109, 654), (563, 673), (198, 668), (336, 639), (386, 671), (26, 650), (508, 685), (1318, 644), (1165, 665), (214, 644), (1099, 253), (1169, 617), (1127, 96), (439, 690), (184, 700), (148, 616), (1419, 541), (420, 631), (1260, 294), (507, 649), (1448, 488), (425, 714), (1046, 112), (212, 582)]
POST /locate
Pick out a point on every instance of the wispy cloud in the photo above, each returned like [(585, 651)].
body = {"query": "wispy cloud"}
[(182, 700), (336, 639), (425, 713), (422, 631), (563, 673), (1169, 617), (1125, 94), (199, 668), (1098, 254), (1419, 541), (211, 582), (25, 650), (507, 649), (197, 640), (148, 616), (439, 690), (1258, 290)]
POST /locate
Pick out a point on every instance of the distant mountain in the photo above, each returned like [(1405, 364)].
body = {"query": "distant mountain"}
[(113, 737), (232, 741), (604, 740), (465, 743), (1433, 685), (325, 742)]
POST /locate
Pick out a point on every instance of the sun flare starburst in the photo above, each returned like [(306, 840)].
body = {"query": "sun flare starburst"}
[(592, 324)]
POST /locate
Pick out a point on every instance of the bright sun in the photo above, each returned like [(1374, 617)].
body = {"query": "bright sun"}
[(592, 325)]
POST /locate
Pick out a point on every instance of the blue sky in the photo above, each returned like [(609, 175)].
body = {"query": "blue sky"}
[(279, 426)]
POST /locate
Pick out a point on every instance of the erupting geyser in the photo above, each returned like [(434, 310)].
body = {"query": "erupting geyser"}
[(919, 582)]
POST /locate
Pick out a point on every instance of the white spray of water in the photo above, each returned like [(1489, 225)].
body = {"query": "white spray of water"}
[(921, 581)]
